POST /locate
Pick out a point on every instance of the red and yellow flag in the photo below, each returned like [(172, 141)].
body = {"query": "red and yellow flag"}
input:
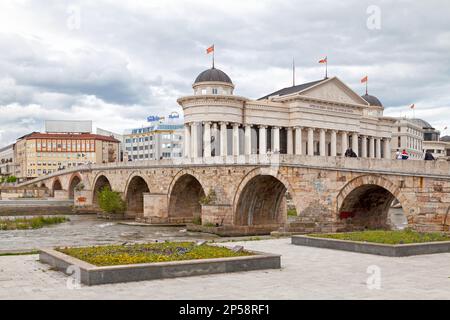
[(365, 79), (324, 60), (210, 49)]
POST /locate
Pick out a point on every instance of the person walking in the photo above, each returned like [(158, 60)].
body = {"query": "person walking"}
[(429, 156), (405, 155)]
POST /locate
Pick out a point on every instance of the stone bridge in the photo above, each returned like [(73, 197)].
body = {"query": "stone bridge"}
[(249, 194)]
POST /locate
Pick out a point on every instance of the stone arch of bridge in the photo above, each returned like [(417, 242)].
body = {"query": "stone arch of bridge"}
[(260, 198), (365, 201), (100, 181), (184, 195), (137, 185), (74, 180), (56, 186)]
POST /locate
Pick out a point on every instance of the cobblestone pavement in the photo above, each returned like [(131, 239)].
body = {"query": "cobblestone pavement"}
[(307, 273), (88, 230)]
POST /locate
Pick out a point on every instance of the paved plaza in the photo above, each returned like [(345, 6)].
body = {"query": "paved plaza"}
[(307, 273)]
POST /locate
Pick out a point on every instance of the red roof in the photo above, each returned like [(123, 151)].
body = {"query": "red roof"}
[(74, 136)]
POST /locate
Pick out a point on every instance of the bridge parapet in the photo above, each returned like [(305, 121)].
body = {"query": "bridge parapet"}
[(437, 169)]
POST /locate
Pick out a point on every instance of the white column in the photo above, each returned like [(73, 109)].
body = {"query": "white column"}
[(248, 140), (223, 139), (372, 147), (298, 140), (276, 139), (262, 140), (363, 146), (387, 148), (187, 140), (206, 139), (290, 141), (355, 143), (378, 142), (235, 139), (194, 140), (310, 141), (216, 139), (322, 147), (333, 143), (344, 142)]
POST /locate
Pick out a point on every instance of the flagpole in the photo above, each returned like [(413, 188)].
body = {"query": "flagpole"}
[(293, 72), (214, 50), (326, 67), (366, 84)]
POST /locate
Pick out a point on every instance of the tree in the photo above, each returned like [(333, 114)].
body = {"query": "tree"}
[(111, 201)]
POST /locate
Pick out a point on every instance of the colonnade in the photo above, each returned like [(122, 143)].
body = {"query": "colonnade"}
[(216, 133)]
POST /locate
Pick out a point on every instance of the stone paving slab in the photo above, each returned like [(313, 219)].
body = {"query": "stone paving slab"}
[(307, 273)]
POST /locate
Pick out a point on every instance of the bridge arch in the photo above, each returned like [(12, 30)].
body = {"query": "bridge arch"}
[(100, 182), (185, 194), (365, 201), (136, 186), (260, 198), (56, 186), (73, 182)]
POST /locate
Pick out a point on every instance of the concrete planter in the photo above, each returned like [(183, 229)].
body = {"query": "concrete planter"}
[(93, 275), (398, 250)]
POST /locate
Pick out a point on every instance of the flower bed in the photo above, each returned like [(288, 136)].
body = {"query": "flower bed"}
[(387, 237), (147, 253)]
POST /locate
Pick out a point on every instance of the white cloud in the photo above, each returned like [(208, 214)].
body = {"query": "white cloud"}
[(131, 59)]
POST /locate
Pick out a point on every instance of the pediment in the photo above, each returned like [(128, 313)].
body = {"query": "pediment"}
[(333, 90)]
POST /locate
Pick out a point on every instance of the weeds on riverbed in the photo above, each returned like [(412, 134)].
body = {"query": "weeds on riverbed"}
[(30, 223)]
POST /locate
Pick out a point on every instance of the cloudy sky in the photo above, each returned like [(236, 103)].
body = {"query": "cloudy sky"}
[(117, 62)]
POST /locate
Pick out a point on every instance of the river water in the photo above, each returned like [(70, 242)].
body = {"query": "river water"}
[(85, 230)]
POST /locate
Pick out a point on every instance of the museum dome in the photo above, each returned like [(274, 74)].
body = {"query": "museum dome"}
[(214, 75), (372, 100), (422, 123)]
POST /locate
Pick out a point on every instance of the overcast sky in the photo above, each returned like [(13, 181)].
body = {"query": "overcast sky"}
[(117, 62)]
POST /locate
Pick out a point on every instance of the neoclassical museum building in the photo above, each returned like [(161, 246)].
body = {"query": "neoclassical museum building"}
[(319, 118)]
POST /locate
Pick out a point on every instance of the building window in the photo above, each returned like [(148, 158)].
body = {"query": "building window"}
[(214, 90)]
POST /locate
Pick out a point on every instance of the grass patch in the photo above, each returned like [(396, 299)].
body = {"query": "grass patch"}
[(387, 237), (292, 213), (147, 253), (18, 253), (30, 223)]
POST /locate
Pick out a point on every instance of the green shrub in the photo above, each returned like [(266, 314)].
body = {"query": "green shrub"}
[(210, 198), (111, 201), (292, 212), (11, 179)]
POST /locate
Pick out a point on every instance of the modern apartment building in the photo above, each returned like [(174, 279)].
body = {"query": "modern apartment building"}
[(159, 141)]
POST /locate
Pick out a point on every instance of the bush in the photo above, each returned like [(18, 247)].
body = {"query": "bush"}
[(11, 179), (111, 201), (210, 198)]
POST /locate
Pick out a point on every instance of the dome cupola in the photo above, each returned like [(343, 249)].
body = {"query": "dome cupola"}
[(372, 100), (213, 81)]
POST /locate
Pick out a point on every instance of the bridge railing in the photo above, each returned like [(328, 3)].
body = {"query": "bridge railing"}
[(409, 167)]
